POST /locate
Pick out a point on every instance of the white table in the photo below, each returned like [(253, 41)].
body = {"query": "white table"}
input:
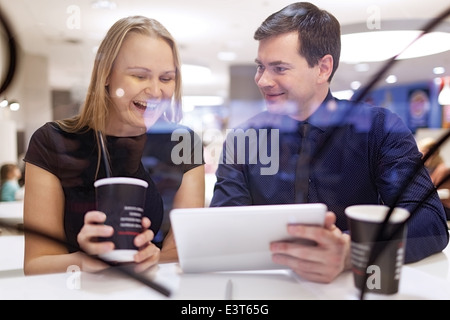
[(11, 212), (427, 279), (11, 239), (11, 253)]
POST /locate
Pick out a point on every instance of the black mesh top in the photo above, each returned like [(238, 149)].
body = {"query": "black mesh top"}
[(72, 157)]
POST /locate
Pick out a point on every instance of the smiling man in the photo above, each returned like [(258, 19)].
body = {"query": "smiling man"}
[(331, 151)]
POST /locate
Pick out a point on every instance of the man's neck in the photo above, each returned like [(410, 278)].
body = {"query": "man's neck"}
[(306, 110)]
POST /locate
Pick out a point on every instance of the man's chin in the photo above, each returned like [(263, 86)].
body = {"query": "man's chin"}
[(286, 108)]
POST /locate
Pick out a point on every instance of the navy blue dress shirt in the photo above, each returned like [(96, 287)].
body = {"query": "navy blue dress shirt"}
[(360, 154)]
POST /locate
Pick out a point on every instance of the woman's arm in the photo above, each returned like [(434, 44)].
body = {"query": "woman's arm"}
[(190, 194), (44, 214), (45, 240)]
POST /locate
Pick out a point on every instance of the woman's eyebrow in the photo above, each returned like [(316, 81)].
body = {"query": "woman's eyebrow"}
[(148, 70), (139, 68)]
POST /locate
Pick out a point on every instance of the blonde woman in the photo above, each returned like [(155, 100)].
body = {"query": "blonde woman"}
[(135, 83)]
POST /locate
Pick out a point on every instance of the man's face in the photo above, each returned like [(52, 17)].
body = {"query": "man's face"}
[(288, 84)]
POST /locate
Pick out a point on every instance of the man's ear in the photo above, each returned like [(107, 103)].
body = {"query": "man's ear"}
[(325, 68)]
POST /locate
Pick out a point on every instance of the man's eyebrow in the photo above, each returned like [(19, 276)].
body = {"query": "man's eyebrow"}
[(273, 63)]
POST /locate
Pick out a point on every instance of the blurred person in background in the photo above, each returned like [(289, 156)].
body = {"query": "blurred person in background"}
[(10, 186)]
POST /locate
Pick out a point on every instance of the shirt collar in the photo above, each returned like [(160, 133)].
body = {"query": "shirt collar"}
[(328, 114)]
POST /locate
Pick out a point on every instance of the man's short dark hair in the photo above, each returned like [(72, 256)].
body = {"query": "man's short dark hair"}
[(319, 32)]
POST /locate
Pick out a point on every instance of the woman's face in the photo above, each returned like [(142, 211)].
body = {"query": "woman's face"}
[(141, 84)]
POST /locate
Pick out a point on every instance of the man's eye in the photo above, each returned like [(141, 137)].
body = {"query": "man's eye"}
[(280, 69)]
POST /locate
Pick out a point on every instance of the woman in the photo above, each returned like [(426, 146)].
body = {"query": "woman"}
[(135, 83)]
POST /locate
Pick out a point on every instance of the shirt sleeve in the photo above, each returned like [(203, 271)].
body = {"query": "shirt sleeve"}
[(41, 151), (231, 188), (403, 181)]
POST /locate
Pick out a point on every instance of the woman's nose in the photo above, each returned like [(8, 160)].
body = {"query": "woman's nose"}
[(153, 89)]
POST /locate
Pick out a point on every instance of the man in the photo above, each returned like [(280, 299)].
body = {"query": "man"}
[(355, 153)]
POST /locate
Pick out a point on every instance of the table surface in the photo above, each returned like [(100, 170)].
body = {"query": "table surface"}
[(11, 210), (427, 279)]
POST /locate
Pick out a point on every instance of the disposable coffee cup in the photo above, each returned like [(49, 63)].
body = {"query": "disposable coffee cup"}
[(381, 275), (122, 199)]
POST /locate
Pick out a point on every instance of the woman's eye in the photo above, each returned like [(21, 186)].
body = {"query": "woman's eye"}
[(139, 76)]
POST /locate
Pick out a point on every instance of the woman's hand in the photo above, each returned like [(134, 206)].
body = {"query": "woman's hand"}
[(148, 254)]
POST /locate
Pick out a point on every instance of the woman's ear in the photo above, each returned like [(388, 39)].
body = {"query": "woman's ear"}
[(325, 68)]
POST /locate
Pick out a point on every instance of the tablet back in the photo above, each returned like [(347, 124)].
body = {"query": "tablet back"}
[(236, 238)]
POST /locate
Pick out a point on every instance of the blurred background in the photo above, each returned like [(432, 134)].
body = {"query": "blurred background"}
[(57, 41)]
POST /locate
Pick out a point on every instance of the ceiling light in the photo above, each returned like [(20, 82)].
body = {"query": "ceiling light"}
[(391, 79), (14, 106), (439, 70), (383, 45), (4, 103)]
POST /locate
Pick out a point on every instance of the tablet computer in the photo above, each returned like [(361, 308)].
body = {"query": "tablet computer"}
[(236, 238)]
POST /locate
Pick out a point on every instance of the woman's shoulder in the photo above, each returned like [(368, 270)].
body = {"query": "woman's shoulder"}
[(49, 128), (53, 129)]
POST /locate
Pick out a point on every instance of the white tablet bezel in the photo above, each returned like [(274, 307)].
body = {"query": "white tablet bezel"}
[(236, 238)]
